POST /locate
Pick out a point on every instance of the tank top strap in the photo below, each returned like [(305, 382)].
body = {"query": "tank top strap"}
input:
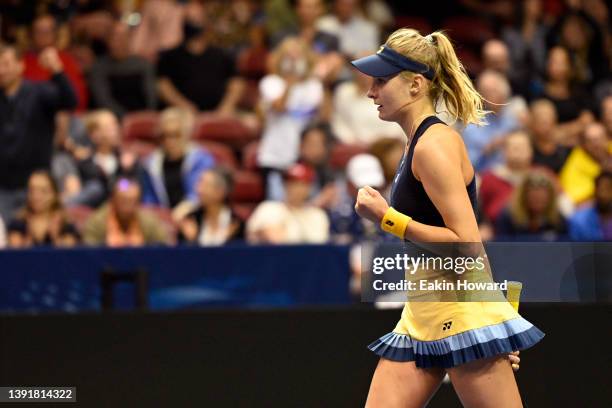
[(423, 126)]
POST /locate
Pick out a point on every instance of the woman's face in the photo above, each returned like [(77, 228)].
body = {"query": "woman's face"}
[(392, 95), (40, 193), (537, 199), (210, 189), (558, 66), (313, 149)]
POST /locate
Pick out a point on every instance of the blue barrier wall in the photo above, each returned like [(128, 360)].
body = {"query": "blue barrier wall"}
[(184, 277)]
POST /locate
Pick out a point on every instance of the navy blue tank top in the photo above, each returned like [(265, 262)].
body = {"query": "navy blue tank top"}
[(407, 193)]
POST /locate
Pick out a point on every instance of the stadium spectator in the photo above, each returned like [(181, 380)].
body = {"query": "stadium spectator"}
[(197, 75), (345, 225), (214, 222), (571, 100), (585, 162), (292, 221), (122, 221), (43, 35), (98, 167), (307, 13), (120, 81), (356, 34), (526, 41), (594, 222), (499, 182), (316, 143), (533, 213), (290, 98), (354, 116), (581, 35), (42, 221), (547, 151), (26, 122), (325, 45), (484, 143), (496, 57), (172, 171)]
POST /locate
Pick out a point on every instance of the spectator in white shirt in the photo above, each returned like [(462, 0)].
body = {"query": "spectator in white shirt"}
[(293, 221)]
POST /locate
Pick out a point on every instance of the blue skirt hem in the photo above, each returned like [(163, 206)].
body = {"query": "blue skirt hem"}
[(461, 348)]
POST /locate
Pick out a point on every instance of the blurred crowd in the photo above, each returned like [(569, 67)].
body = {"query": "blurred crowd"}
[(130, 123)]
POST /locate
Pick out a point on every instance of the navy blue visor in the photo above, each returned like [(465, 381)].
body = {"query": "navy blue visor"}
[(387, 62)]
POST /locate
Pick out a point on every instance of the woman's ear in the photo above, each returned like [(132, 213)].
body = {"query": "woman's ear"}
[(417, 84)]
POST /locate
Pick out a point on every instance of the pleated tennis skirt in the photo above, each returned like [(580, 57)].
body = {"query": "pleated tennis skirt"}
[(448, 334)]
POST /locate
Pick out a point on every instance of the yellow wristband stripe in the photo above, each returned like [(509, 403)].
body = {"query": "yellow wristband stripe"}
[(395, 222)]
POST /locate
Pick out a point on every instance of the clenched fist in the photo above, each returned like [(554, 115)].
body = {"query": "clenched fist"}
[(370, 204), (50, 60)]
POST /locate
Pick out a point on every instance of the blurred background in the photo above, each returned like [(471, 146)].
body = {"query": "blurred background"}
[(196, 163)]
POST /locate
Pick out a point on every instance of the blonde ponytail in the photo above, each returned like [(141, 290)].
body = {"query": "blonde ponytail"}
[(451, 84)]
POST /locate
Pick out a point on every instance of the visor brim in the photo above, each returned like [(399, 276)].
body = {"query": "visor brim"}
[(375, 66)]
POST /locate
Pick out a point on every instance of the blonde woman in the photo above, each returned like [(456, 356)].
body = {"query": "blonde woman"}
[(534, 211), (291, 96), (433, 200)]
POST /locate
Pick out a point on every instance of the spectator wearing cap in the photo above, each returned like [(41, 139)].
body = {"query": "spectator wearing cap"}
[(122, 222), (173, 170), (346, 226), (593, 222), (213, 222), (316, 143), (292, 221), (586, 162), (27, 111)]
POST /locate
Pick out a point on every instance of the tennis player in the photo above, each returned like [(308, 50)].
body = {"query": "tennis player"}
[(433, 199)]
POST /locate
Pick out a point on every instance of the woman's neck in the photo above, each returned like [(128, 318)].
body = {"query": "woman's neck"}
[(413, 117)]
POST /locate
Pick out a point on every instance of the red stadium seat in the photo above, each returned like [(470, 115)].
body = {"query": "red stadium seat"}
[(228, 130), (342, 153), (249, 156), (468, 30), (140, 125), (248, 187), (79, 215), (418, 23), (223, 155)]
